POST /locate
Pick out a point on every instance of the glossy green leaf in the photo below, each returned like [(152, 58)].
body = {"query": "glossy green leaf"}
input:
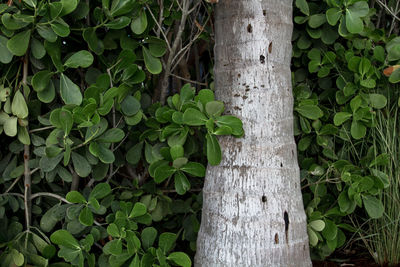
[(373, 206), (40, 81), (75, 197), (70, 92), (214, 154), (377, 100), (112, 135), (100, 191), (10, 126), (182, 184), (148, 237), (194, 117), (82, 59), (341, 117), (194, 168), (303, 6), (139, 209), (63, 238), (130, 105), (139, 24), (18, 44), (81, 165), (86, 217), (310, 111), (118, 23), (152, 63), (180, 258), (358, 130), (18, 106)]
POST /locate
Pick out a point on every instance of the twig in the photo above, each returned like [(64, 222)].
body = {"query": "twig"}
[(188, 80), (114, 123), (13, 184), (160, 17), (42, 129), (167, 72), (389, 10), (27, 170), (12, 194), (75, 179), (47, 194), (159, 26)]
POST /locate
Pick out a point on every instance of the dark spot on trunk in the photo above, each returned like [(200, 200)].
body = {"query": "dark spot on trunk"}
[(239, 75), (262, 59), (262, 85), (249, 28), (281, 165), (237, 108), (247, 89), (264, 12), (276, 238), (286, 219), (244, 97), (236, 95), (270, 48), (264, 199)]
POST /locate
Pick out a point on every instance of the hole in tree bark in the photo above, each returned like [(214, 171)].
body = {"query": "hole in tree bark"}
[(281, 165), (249, 28), (286, 219), (270, 48), (264, 199), (264, 12), (262, 59), (276, 238)]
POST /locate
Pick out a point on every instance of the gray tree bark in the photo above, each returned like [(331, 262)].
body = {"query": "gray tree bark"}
[(253, 211)]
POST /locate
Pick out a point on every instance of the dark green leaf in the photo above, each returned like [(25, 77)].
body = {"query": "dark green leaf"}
[(70, 92), (18, 44)]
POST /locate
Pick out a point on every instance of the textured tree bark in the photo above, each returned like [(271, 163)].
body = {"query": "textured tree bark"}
[(253, 212)]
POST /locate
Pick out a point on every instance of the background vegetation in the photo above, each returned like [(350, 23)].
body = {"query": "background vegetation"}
[(104, 146)]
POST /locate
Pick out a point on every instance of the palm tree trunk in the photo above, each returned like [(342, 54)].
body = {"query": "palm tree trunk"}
[(253, 211)]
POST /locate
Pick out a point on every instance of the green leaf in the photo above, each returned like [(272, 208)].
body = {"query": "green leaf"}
[(10, 126), (215, 108), (86, 217), (82, 59), (310, 111), (18, 257), (377, 100), (303, 6), (312, 236), (194, 168), (64, 238), (353, 23), (166, 241), (179, 162), (373, 206), (214, 154), (47, 33), (112, 135), (232, 122), (100, 191), (18, 44), (333, 15), (163, 172), (23, 135), (194, 117), (70, 92), (182, 184), (75, 197), (316, 20), (66, 120), (177, 152), (130, 106), (180, 258), (105, 154), (330, 230), (317, 225), (148, 237), (152, 63), (95, 44), (60, 27), (54, 51), (112, 230), (5, 54), (139, 24), (40, 81), (341, 117), (359, 9), (118, 23), (81, 165), (138, 210), (395, 76), (134, 153), (18, 106), (68, 6), (114, 247), (358, 130)]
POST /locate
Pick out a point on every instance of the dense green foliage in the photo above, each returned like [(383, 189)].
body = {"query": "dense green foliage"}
[(87, 158), (341, 48)]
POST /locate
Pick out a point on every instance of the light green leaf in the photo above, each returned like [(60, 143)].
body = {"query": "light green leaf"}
[(118, 23), (303, 6), (166, 241), (138, 210), (353, 23), (70, 92), (5, 54), (75, 197), (317, 225), (100, 191), (194, 168), (214, 154), (180, 258), (182, 184), (341, 117), (10, 126), (312, 112), (18, 106), (82, 59), (105, 155), (194, 117), (139, 24), (333, 15), (18, 44), (68, 6), (373, 206), (358, 130), (152, 63), (377, 100), (112, 135), (86, 217), (64, 238)]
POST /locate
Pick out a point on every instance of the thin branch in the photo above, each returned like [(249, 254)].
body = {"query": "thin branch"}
[(388, 10), (188, 80), (12, 194), (13, 184), (159, 27), (42, 129), (47, 194)]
